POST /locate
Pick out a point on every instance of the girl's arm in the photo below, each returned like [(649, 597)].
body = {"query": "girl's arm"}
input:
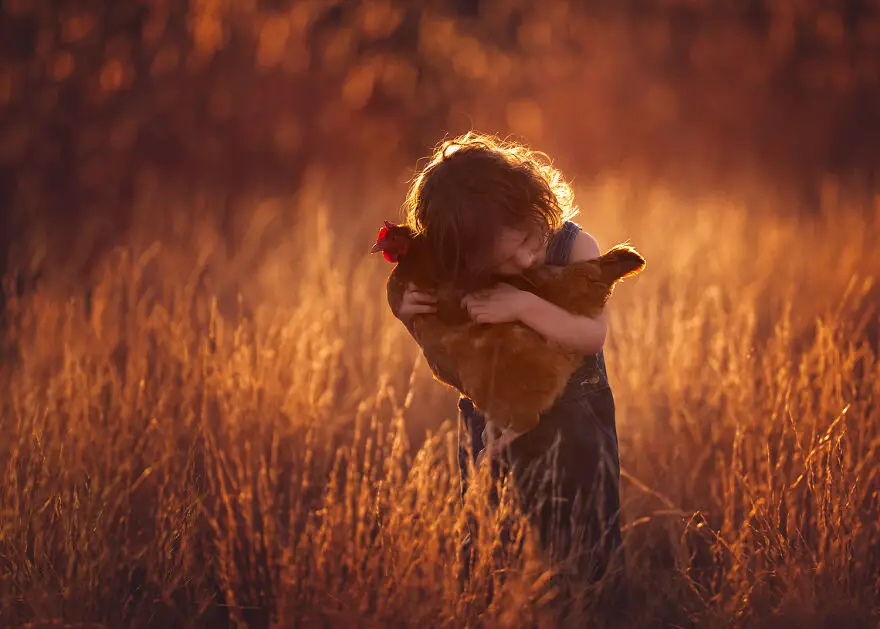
[(585, 335), (575, 332)]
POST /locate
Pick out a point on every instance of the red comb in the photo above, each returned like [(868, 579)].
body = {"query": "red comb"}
[(383, 231), (391, 256)]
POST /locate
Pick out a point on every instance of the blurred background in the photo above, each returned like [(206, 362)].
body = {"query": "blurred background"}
[(195, 334), (124, 116)]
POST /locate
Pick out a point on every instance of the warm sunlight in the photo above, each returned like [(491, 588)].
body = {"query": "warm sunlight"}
[(211, 417)]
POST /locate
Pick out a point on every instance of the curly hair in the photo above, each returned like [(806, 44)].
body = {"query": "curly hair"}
[(476, 184)]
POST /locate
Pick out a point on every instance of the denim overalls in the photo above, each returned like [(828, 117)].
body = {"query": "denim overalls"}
[(587, 457)]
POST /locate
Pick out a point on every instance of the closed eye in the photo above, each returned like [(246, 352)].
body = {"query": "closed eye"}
[(519, 246)]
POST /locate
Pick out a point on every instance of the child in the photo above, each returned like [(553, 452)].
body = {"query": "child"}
[(489, 210)]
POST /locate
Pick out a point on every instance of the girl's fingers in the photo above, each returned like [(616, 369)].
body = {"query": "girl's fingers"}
[(472, 300), (423, 297), (412, 288), (418, 309)]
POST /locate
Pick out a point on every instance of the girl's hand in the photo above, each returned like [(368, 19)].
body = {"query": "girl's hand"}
[(415, 302), (501, 304)]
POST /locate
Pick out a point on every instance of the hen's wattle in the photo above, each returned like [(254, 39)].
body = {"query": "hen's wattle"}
[(391, 244)]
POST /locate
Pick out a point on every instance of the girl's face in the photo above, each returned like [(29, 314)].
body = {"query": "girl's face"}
[(517, 250)]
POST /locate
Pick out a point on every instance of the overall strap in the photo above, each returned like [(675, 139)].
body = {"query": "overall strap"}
[(561, 242), (558, 253)]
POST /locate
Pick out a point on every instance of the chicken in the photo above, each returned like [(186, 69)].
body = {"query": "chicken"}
[(414, 264), (510, 372)]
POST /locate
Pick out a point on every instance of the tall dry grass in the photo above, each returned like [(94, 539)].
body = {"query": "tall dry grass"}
[(173, 455)]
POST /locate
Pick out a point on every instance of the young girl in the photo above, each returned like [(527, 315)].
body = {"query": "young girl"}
[(489, 210)]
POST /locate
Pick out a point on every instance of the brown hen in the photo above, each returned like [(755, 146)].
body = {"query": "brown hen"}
[(510, 372)]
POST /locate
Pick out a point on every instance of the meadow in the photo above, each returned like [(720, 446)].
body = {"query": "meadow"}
[(177, 454)]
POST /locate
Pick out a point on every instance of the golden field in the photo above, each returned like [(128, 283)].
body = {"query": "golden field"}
[(209, 418), (176, 455)]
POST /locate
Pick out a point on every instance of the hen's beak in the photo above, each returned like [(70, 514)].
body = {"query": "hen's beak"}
[(376, 248)]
